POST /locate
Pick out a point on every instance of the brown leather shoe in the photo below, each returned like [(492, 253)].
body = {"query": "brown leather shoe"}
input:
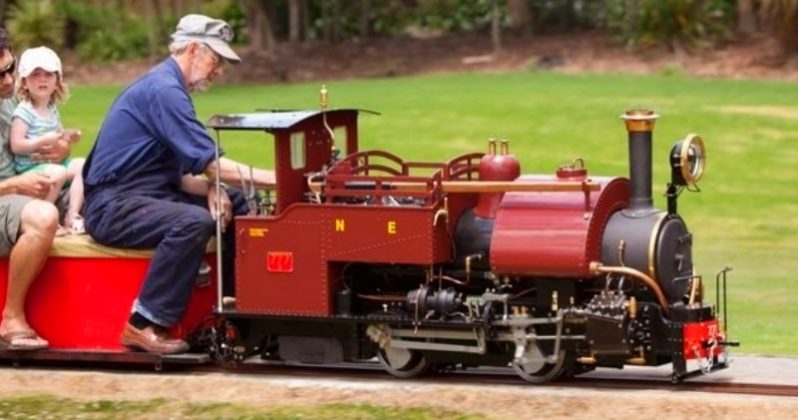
[(151, 340)]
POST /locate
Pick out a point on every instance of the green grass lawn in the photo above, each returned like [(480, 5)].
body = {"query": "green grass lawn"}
[(49, 407), (746, 215)]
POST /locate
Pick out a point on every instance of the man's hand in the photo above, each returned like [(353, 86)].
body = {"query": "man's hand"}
[(226, 210), (34, 184), (56, 152)]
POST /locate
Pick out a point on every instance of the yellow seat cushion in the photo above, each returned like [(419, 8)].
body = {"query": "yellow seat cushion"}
[(82, 246)]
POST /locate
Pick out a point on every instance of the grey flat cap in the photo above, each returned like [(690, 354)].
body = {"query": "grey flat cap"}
[(215, 33)]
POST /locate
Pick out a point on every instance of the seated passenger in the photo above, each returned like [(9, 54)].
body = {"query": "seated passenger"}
[(140, 192), (27, 222), (36, 122)]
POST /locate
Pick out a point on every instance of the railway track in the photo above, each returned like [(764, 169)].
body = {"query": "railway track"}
[(503, 376), (372, 371)]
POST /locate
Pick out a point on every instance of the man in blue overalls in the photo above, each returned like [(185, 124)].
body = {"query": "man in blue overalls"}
[(140, 186)]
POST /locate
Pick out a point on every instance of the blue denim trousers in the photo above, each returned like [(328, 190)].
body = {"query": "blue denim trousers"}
[(178, 226)]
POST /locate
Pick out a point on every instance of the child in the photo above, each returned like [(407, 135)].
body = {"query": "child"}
[(36, 122)]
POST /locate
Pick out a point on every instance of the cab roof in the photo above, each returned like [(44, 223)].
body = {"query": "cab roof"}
[(272, 120)]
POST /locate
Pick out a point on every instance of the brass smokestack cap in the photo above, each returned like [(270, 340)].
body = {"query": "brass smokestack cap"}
[(640, 120)]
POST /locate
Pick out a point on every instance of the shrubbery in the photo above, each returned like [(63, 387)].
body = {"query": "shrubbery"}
[(115, 30), (102, 31), (675, 23)]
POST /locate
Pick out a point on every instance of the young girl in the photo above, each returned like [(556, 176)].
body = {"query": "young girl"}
[(36, 122)]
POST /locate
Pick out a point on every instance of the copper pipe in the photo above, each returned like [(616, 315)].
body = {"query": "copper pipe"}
[(449, 279), (596, 268), (488, 186), (383, 298)]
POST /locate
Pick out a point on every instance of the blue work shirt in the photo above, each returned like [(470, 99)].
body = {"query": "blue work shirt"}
[(150, 137)]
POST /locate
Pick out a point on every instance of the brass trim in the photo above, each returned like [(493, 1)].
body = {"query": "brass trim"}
[(639, 120), (684, 167), (596, 268), (639, 359), (652, 244), (695, 284)]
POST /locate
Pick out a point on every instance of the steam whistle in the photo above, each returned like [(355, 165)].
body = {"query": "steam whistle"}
[(323, 101), (323, 97)]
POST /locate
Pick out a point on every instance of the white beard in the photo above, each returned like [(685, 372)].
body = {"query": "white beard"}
[(200, 86)]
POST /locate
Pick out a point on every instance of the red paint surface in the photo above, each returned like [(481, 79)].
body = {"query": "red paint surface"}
[(701, 338), (554, 234), (83, 303)]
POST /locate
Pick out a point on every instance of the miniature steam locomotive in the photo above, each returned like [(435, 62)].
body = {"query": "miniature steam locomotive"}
[(455, 264), (468, 262)]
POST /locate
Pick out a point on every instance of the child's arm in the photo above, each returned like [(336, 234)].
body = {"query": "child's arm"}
[(22, 146)]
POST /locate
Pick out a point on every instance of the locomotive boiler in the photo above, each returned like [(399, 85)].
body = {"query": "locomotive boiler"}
[(466, 262)]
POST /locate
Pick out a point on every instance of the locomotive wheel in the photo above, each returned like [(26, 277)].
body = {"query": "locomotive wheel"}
[(537, 371), (402, 363)]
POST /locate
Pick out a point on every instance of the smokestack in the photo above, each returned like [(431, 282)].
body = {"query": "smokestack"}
[(640, 125)]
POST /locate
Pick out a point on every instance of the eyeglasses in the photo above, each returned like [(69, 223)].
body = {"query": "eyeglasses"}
[(218, 61), (9, 69)]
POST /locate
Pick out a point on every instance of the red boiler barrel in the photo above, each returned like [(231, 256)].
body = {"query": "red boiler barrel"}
[(554, 234)]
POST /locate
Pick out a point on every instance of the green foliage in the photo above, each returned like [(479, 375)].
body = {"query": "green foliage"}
[(106, 33), (454, 15), (392, 17), (674, 23), (35, 23), (567, 14)]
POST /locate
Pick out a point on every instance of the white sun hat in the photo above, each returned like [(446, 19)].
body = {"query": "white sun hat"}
[(39, 58)]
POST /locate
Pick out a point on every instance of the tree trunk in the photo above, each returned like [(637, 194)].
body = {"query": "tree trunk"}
[(259, 28), (495, 27), (157, 35), (630, 14), (303, 5), (365, 18), (519, 16), (294, 21), (331, 16), (336, 31), (746, 17)]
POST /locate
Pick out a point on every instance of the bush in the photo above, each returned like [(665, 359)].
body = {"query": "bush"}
[(675, 23), (35, 23), (104, 33), (454, 15)]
